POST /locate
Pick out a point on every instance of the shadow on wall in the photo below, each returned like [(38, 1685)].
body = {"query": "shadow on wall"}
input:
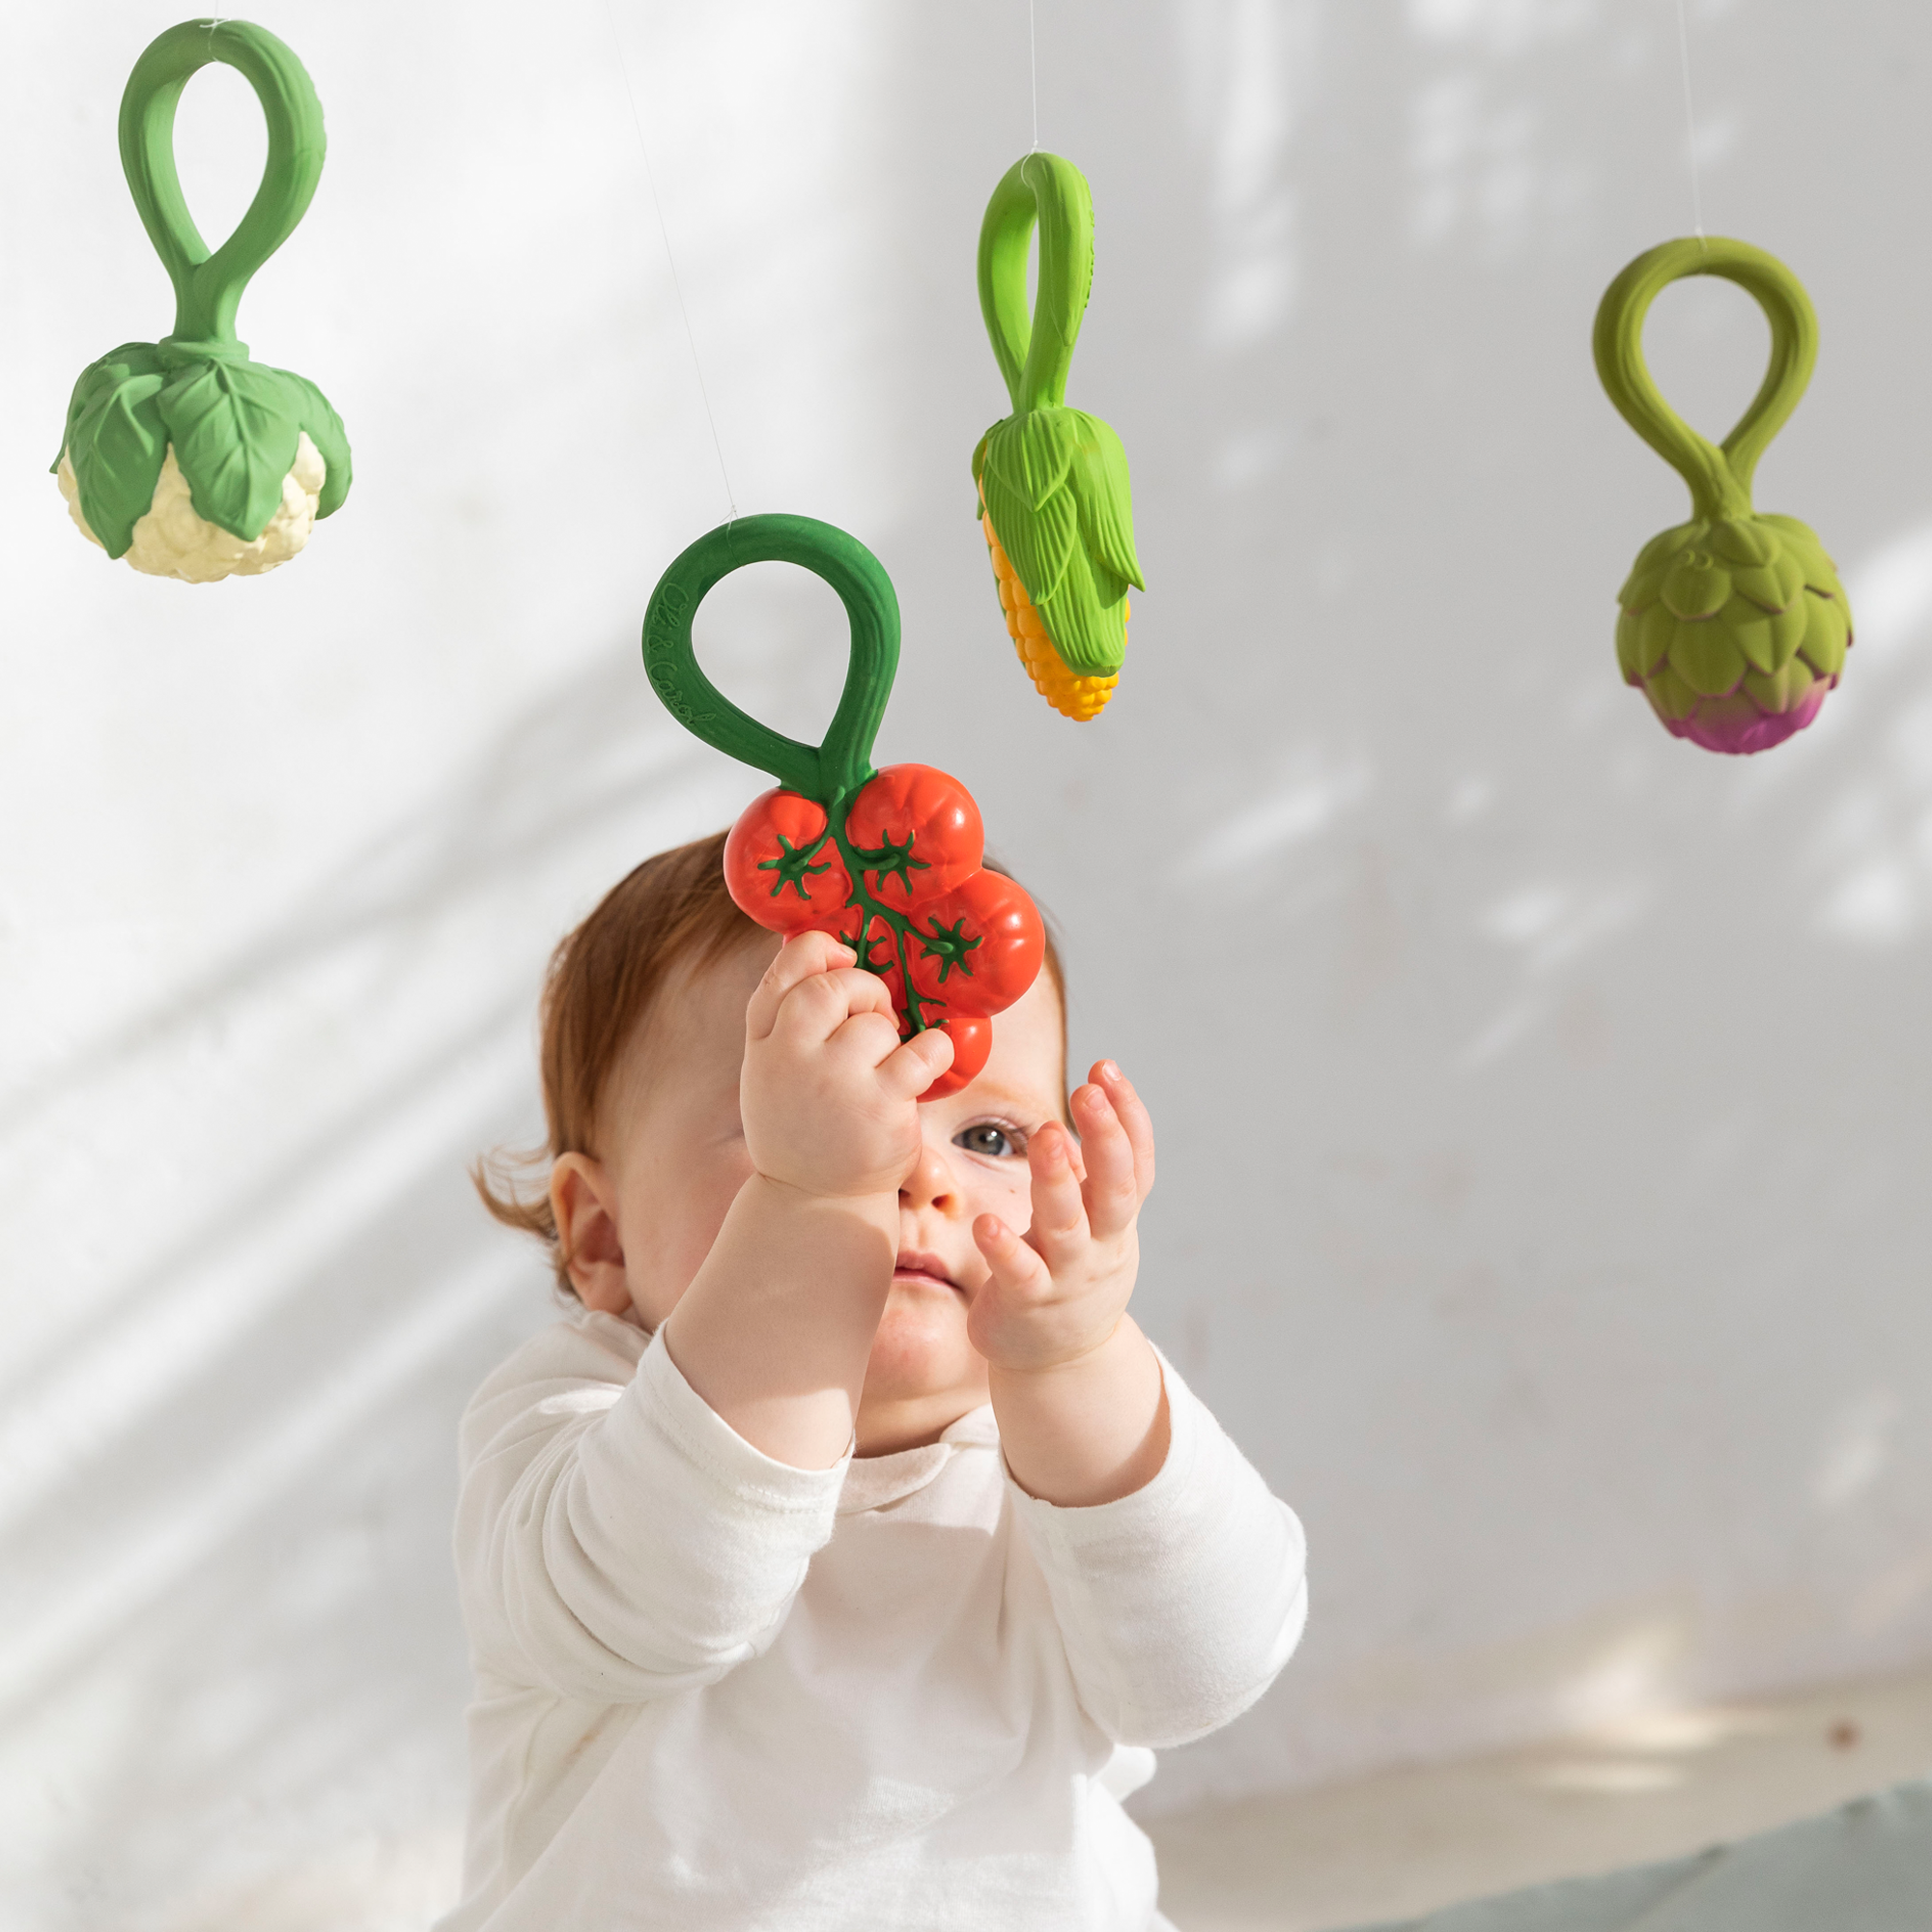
[(225, 1521)]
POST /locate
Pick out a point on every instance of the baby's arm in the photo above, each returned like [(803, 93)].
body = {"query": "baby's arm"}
[(1076, 1384), (775, 1331), (1177, 1578)]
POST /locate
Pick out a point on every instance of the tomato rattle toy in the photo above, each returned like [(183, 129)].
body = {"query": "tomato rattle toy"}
[(182, 455), (1735, 624), (890, 861), (1054, 496)]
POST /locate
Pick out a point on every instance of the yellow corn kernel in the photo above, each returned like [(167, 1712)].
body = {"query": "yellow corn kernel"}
[(1077, 697)]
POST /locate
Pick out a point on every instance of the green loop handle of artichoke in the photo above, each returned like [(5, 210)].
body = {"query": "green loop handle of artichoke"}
[(829, 772), (1034, 349), (1719, 476), (208, 286)]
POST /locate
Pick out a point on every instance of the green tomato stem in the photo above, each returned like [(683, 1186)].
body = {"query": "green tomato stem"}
[(825, 773)]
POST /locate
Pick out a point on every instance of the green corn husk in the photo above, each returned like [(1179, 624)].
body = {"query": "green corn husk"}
[(1053, 481)]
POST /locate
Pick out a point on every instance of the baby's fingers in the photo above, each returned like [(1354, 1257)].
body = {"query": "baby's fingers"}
[(1014, 1267), (1058, 1215), (1133, 1117), (797, 961), (1112, 1194), (908, 1070), (820, 1008)]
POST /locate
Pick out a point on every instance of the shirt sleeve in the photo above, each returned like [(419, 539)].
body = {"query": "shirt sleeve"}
[(1179, 1603), (617, 1541)]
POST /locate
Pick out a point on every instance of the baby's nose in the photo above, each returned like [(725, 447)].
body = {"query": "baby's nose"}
[(930, 1183)]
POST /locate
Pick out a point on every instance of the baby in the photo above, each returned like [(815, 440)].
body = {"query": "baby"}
[(840, 1561)]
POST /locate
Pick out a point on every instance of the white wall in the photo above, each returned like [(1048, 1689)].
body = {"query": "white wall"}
[(1544, 1104)]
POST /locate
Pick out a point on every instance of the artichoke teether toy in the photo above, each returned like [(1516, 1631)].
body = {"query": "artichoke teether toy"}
[(183, 455), (890, 861), (1735, 624), (1054, 497)]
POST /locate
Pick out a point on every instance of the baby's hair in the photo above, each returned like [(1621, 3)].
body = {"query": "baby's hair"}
[(672, 911)]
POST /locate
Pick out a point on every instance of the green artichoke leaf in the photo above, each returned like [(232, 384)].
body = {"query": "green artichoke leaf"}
[(1827, 634), (331, 441), (1671, 696), (1705, 657), (1802, 540), (235, 427), (1787, 631), (1645, 581), (1743, 540), (1627, 623), (1754, 632), (1694, 587), (1773, 585), (117, 449), (1655, 630)]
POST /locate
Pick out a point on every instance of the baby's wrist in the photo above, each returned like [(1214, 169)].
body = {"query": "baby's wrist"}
[(781, 1195), (1070, 1361), (824, 1191)]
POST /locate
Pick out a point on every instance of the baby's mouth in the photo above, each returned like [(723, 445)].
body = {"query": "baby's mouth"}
[(926, 1271)]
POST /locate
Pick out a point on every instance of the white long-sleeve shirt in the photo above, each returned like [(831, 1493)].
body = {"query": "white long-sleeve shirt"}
[(716, 1694)]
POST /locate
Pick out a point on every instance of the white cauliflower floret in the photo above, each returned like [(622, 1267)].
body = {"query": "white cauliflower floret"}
[(172, 540)]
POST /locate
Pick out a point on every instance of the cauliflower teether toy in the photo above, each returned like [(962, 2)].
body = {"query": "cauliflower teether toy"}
[(183, 455), (1054, 497), (1735, 624), (890, 861)]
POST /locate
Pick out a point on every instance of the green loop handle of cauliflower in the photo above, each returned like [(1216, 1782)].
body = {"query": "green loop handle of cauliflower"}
[(1735, 624), (235, 427)]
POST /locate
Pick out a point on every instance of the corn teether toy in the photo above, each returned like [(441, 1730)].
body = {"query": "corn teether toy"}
[(1735, 624), (183, 455), (1054, 496), (890, 861)]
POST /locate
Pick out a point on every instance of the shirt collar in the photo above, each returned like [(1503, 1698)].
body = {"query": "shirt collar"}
[(871, 1482)]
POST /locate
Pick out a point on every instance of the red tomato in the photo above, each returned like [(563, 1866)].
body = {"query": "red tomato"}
[(972, 1042), (924, 829), (977, 950), (782, 868)]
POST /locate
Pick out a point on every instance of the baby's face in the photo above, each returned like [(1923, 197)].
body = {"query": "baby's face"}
[(678, 1159)]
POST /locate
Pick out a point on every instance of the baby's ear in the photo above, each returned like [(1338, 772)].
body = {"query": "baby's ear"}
[(585, 1204)]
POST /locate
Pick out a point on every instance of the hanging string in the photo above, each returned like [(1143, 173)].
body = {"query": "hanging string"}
[(670, 259), (1690, 120), (1032, 61)]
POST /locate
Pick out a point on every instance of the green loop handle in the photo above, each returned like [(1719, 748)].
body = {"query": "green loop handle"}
[(1719, 476), (208, 287), (1036, 351), (828, 771)]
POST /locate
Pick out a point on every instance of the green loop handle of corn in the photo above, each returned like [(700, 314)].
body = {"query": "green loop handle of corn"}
[(1054, 495), (1734, 625), (1034, 349), (828, 771), (233, 426)]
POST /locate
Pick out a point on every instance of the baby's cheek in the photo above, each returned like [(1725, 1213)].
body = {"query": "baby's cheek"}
[(1009, 1196)]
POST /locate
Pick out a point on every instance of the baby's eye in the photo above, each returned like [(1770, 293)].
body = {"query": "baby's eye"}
[(990, 1139)]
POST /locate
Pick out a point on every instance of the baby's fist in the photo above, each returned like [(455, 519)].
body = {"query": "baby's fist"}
[(829, 1094)]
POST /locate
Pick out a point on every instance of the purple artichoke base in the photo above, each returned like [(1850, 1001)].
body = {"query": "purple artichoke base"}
[(1736, 725)]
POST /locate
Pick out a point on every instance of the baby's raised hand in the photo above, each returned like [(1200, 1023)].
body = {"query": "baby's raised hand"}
[(1058, 1293), (829, 1095)]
